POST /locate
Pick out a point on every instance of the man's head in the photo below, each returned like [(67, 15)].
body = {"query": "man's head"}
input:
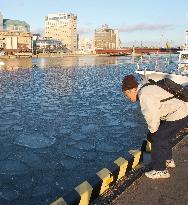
[(129, 87)]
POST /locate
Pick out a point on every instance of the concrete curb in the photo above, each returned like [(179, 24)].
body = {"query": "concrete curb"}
[(119, 187), (95, 186), (90, 189)]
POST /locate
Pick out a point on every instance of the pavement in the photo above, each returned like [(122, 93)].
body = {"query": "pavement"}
[(172, 191)]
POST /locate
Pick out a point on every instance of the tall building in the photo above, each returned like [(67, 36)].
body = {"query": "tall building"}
[(1, 21), (63, 27), (15, 25), (106, 38)]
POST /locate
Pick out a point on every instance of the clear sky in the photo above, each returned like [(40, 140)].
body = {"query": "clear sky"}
[(139, 21)]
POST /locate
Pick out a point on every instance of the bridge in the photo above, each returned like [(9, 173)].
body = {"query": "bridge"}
[(128, 51)]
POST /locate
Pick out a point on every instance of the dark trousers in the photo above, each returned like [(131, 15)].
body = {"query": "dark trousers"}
[(161, 142)]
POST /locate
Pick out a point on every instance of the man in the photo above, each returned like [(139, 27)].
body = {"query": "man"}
[(164, 120)]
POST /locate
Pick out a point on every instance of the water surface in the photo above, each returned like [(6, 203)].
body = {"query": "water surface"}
[(61, 121)]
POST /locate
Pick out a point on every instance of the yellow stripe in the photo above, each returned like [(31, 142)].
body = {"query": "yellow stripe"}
[(85, 190), (136, 154), (60, 201), (106, 177), (148, 146), (122, 163)]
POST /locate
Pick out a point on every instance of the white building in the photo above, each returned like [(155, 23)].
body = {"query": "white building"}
[(49, 44), (85, 45), (116, 31), (62, 26), (1, 22), (11, 42)]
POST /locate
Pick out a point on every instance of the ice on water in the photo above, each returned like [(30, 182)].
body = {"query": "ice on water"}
[(34, 140), (9, 194), (59, 120), (13, 167)]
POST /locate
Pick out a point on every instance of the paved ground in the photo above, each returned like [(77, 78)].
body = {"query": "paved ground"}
[(172, 191)]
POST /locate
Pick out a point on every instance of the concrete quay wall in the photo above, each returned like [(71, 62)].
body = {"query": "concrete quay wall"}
[(89, 190)]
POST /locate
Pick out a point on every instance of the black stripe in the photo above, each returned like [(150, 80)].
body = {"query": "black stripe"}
[(143, 147), (114, 169), (141, 157), (130, 160), (96, 183), (72, 198)]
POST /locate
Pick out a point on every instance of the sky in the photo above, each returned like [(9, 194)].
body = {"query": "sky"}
[(140, 22)]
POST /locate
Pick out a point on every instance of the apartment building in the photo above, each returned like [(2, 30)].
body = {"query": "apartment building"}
[(63, 27), (13, 42), (106, 38)]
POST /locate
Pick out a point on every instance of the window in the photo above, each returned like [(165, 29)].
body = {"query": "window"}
[(184, 56)]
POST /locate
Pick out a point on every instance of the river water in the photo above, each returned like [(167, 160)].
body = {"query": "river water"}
[(61, 121)]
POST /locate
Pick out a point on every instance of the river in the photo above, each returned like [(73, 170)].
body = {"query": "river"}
[(61, 121)]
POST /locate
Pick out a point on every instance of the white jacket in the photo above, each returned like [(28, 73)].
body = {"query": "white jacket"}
[(154, 110)]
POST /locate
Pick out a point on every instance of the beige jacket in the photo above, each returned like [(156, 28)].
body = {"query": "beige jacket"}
[(154, 110)]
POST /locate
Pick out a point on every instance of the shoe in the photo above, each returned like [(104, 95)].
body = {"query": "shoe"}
[(170, 163), (153, 174)]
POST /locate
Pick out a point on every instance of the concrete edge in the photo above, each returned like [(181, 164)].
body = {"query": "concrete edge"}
[(95, 186), (119, 187)]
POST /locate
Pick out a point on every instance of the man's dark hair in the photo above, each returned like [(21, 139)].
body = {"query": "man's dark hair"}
[(129, 82)]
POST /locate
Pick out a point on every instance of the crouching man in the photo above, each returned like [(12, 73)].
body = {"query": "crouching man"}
[(164, 120)]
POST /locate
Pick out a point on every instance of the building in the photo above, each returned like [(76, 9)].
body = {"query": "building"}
[(15, 25), (186, 39), (2, 43), (49, 46), (85, 45), (16, 42), (116, 31), (106, 38), (36, 36), (63, 27), (1, 21)]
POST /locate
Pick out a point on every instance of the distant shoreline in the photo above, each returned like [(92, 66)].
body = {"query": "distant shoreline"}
[(69, 55), (47, 56)]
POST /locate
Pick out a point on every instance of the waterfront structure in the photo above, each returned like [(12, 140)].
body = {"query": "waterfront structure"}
[(16, 42), (15, 25), (106, 38), (1, 21), (63, 27), (49, 45)]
